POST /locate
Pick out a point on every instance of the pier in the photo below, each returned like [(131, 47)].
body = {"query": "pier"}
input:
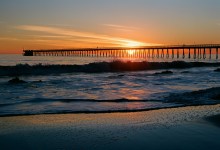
[(199, 51)]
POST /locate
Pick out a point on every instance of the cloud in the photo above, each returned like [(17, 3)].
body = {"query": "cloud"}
[(48, 36), (120, 27), (80, 35), (8, 39)]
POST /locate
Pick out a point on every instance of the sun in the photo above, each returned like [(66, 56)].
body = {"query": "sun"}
[(131, 52)]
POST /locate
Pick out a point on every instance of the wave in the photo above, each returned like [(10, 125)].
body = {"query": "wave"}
[(46, 100), (90, 111), (123, 100), (206, 96), (97, 67), (210, 96)]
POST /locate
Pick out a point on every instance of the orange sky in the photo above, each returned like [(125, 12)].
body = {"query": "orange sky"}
[(45, 24)]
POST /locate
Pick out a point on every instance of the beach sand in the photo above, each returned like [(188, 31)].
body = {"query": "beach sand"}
[(194, 127)]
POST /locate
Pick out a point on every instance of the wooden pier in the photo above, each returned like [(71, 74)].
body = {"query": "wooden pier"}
[(199, 51)]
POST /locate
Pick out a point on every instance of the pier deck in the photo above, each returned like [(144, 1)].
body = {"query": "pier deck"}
[(199, 51)]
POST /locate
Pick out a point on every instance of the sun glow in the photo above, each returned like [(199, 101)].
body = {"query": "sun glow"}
[(133, 44)]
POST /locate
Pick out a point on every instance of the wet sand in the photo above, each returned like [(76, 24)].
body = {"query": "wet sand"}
[(215, 119), (194, 127)]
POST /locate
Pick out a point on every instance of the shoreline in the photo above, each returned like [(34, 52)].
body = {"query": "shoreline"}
[(108, 111), (173, 128)]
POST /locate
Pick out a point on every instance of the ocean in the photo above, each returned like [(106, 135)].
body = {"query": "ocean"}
[(55, 84)]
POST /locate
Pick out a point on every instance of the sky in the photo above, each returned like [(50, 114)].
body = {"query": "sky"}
[(58, 24)]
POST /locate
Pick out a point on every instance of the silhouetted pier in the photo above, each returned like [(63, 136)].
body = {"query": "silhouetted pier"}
[(199, 51)]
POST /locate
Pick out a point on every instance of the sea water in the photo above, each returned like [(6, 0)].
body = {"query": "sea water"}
[(80, 91)]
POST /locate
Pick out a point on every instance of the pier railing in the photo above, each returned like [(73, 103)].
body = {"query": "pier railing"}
[(199, 51)]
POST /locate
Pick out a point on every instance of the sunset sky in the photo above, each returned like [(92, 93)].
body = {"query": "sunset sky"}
[(43, 24)]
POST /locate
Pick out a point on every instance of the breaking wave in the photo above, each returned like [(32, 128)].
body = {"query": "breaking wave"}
[(210, 96), (97, 67), (200, 97)]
